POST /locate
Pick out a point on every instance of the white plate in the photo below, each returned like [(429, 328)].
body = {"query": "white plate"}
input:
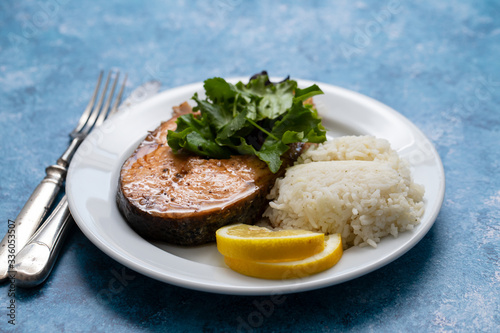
[(93, 177)]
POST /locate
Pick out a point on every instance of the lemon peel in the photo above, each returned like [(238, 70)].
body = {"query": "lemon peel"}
[(247, 242), (292, 269)]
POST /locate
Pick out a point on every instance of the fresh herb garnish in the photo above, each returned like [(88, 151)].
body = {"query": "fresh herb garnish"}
[(259, 118)]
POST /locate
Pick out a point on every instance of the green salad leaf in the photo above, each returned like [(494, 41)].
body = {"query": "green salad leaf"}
[(258, 118)]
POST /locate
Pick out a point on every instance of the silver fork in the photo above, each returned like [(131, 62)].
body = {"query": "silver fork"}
[(36, 260), (43, 196)]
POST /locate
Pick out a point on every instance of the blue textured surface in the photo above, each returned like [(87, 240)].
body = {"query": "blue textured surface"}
[(436, 62)]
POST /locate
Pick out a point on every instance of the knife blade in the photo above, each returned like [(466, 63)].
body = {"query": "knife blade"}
[(140, 94)]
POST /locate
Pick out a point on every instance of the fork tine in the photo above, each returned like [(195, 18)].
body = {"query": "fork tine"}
[(119, 97), (97, 108), (86, 114), (104, 110), (95, 113)]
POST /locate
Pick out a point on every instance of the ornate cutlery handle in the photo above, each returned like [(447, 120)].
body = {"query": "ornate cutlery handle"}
[(35, 261), (35, 209)]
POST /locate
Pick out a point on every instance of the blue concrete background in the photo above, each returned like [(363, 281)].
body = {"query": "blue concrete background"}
[(436, 62)]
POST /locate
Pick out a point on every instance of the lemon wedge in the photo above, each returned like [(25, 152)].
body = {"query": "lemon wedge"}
[(291, 269), (247, 242)]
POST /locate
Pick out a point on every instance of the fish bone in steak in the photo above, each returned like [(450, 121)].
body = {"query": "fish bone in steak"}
[(183, 199)]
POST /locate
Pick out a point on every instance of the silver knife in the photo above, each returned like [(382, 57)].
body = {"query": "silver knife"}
[(35, 261)]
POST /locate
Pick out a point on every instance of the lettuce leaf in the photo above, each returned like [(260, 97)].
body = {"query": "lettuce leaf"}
[(258, 118)]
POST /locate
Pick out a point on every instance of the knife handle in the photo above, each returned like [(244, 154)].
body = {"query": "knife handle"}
[(31, 216), (36, 260)]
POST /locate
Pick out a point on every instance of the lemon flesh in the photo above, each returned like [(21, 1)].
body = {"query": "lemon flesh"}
[(247, 242), (291, 269)]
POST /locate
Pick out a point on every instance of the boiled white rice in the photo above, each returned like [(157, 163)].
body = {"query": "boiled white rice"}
[(355, 185)]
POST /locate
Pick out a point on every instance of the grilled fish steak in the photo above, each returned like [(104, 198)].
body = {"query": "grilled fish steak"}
[(183, 199)]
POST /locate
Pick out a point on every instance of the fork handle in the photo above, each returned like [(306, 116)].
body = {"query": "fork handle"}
[(30, 217), (35, 261), (35, 209)]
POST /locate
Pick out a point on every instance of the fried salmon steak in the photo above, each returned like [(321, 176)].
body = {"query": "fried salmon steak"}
[(183, 199)]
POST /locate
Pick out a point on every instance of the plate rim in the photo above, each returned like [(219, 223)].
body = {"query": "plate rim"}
[(240, 290)]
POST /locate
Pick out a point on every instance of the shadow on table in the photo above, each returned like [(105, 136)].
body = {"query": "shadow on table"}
[(137, 300)]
